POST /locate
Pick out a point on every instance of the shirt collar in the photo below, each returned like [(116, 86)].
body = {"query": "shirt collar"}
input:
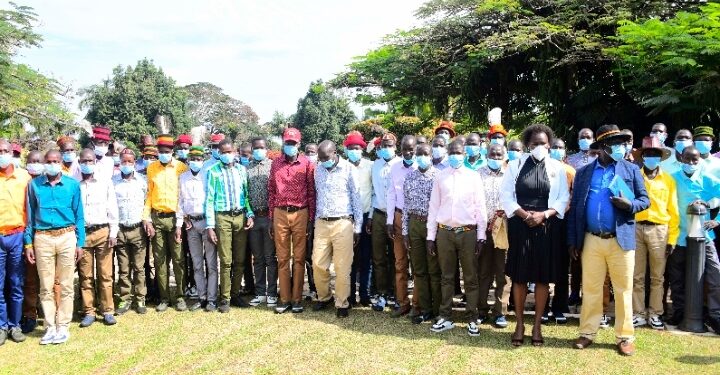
[(46, 181)]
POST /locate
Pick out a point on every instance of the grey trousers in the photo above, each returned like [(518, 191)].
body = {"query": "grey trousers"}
[(676, 274), (265, 262), (203, 252)]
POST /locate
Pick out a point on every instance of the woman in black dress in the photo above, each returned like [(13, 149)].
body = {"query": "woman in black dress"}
[(534, 192)]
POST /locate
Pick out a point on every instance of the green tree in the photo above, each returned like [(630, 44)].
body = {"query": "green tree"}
[(30, 105), (131, 99), (220, 113), (322, 114)]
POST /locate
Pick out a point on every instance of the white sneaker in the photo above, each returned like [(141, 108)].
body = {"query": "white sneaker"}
[(604, 321), (442, 325), (656, 323), (473, 329), (49, 336), (639, 321), (258, 300), (63, 334), (272, 301)]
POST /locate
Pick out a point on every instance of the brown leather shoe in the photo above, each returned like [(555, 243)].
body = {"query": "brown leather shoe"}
[(582, 342), (626, 348), (401, 311)]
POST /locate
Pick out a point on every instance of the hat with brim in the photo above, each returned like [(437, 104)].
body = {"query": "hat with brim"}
[(651, 143), (606, 133), (447, 125)]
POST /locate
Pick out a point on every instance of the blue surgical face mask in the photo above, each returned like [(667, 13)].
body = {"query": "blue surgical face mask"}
[(353, 155), (409, 162), (244, 161), (227, 158), (423, 162), (456, 161), (35, 169), (514, 155), (165, 158), (472, 151), (445, 136), (182, 154), (483, 150), (439, 152), (494, 164), (144, 162), (497, 141), (703, 147), (5, 160), (127, 169), (195, 165), (617, 152), (259, 154), (651, 162), (215, 153), (312, 158), (680, 145), (87, 168), (584, 144), (69, 156), (101, 150), (660, 136), (290, 150), (557, 154), (327, 164), (52, 169), (386, 153), (690, 168)]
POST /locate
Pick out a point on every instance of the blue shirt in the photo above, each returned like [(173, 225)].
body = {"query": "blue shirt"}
[(599, 212), (54, 207), (338, 193), (701, 186)]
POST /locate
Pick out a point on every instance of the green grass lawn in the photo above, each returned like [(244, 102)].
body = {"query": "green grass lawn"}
[(258, 341)]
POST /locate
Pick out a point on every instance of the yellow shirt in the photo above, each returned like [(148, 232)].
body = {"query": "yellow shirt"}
[(663, 204), (13, 197), (162, 187)]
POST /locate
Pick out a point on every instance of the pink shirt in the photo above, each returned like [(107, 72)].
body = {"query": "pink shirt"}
[(395, 196), (457, 199)]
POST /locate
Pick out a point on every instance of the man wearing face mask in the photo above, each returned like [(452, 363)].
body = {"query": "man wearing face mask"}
[(182, 150), (354, 146), (476, 149), (182, 147), (215, 140), (445, 129), (13, 200), (159, 221), (16, 154), (694, 186), (656, 233), (601, 227), (54, 238), (515, 149), (145, 142), (703, 138), (131, 249), (95, 269), (261, 244), (311, 152), (439, 152), (243, 157), (69, 155), (395, 205), (383, 254), (245, 152), (104, 165), (497, 134), (291, 208), (683, 138), (585, 156)]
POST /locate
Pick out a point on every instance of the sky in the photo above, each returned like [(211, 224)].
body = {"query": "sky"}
[(265, 53)]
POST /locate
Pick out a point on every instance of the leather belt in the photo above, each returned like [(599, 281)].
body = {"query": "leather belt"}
[(55, 232), (164, 215), (131, 226), (261, 213), (646, 222), (291, 208), (417, 217), (336, 218), (398, 211), (232, 212), (12, 231), (461, 229), (196, 218), (604, 235), (94, 228), (378, 211)]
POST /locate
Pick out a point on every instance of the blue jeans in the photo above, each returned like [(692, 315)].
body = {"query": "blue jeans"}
[(12, 278), (361, 265)]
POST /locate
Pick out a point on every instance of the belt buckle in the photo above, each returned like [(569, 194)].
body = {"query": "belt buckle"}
[(458, 230)]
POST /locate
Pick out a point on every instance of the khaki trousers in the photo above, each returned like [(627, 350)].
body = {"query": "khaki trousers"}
[(491, 264), (382, 255), (131, 253), (55, 257), (426, 269), (600, 256), (401, 263), (333, 244), (290, 228), (452, 246), (650, 243), (164, 246), (231, 246), (97, 262)]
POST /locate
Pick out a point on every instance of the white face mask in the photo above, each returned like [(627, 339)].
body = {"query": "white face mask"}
[(539, 152)]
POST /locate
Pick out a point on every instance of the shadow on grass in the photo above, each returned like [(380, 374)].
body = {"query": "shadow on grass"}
[(698, 359)]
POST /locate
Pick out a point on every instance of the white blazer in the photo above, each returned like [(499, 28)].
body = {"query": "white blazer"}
[(559, 193)]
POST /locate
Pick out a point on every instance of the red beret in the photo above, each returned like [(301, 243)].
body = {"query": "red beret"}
[(354, 138), (217, 138), (184, 138), (291, 134), (101, 133)]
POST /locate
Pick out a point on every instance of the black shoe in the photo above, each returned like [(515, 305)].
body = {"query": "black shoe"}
[(224, 307), (714, 324), (424, 317), (322, 305), (365, 301), (342, 312), (141, 308), (237, 301), (196, 306), (28, 325), (574, 299), (297, 308), (675, 320)]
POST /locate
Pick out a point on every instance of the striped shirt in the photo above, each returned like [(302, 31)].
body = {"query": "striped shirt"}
[(227, 188)]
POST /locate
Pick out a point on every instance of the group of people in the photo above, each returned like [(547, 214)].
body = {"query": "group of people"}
[(514, 215)]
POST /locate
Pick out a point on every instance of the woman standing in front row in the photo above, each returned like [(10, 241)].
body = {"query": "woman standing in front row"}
[(534, 195)]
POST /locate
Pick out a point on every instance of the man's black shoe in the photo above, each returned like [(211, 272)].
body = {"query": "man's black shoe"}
[(224, 307), (322, 305), (237, 301), (342, 312)]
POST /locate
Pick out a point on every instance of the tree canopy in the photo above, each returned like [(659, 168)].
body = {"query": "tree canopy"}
[(322, 114)]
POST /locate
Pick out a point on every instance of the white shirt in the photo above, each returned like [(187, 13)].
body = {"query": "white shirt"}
[(100, 203), (191, 200), (364, 181), (457, 199), (559, 196), (380, 172), (130, 196)]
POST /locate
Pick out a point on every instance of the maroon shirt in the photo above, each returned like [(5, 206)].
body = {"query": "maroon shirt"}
[(292, 184)]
